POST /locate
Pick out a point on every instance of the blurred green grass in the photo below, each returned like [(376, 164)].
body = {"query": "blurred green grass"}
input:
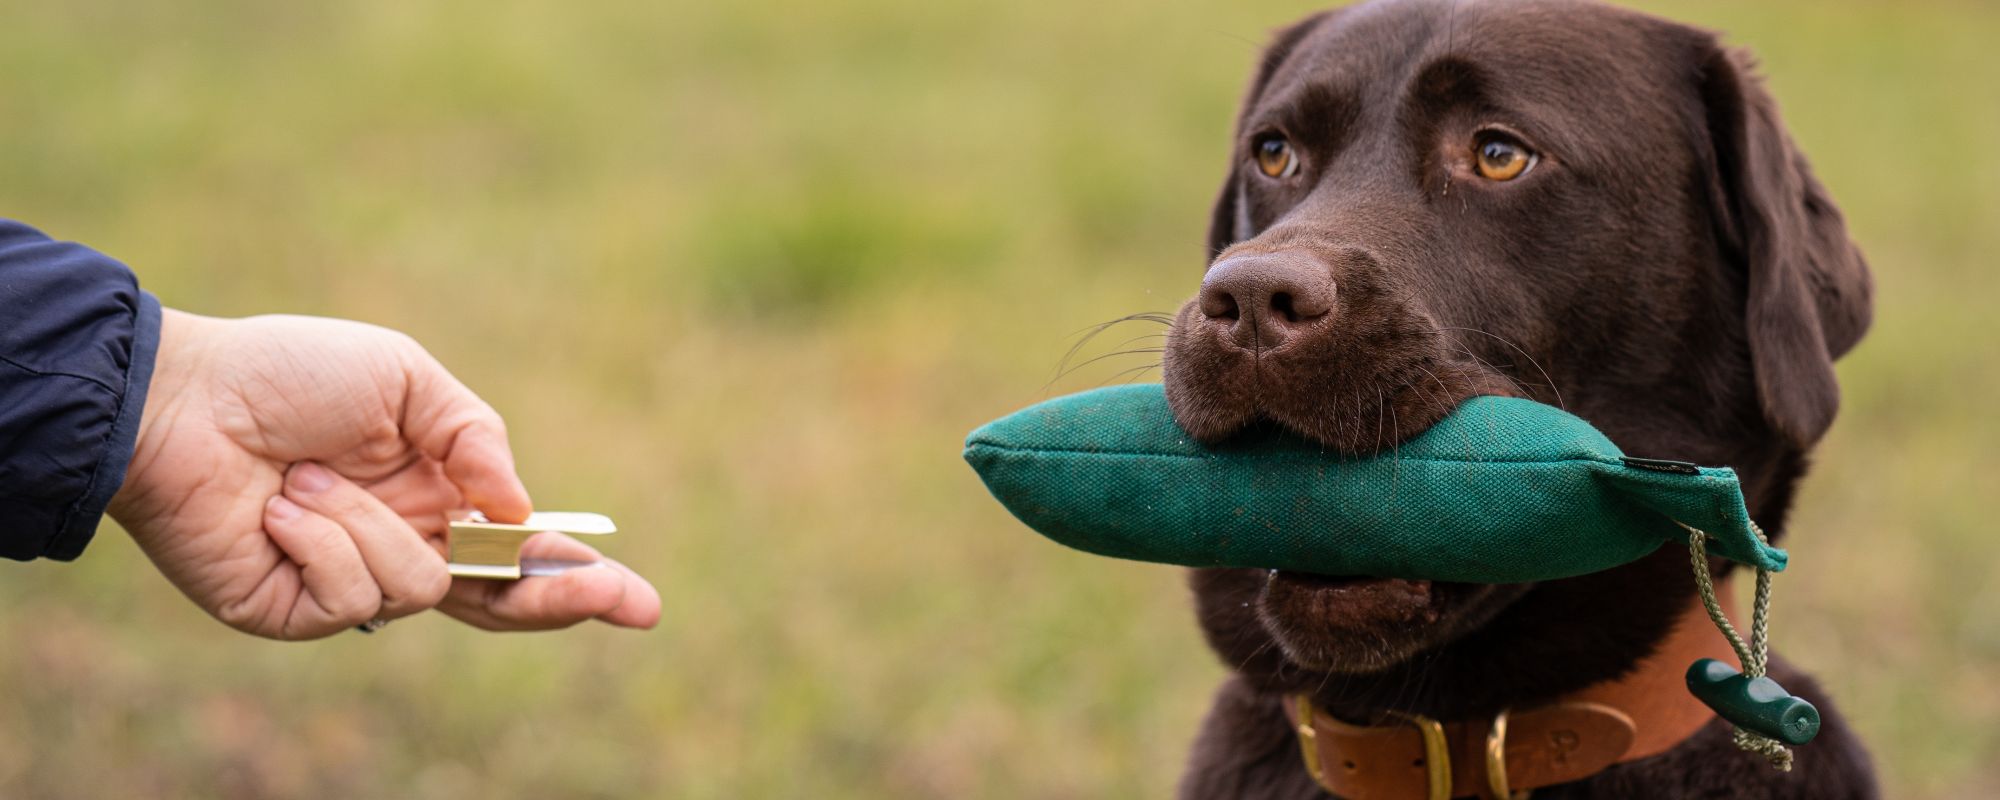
[(743, 274)]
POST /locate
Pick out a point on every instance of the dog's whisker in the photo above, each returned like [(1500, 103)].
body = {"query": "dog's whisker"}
[(1380, 406), (1114, 354), (1395, 448), (1087, 334), (1420, 682), (1459, 347), (1261, 649), (1134, 372), (1464, 436), (1498, 369), (1423, 396), (1361, 409), (1061, 368), (1549, 381), (1141, 316), (1324, 679)]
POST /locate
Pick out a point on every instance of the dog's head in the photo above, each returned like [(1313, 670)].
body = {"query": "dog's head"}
[(1429, 200)]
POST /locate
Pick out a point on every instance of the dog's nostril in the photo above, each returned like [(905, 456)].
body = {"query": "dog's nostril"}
[(1282, 304), (1217, 303)]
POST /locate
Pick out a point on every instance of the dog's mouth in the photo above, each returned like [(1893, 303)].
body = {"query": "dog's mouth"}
[(1353, 393), (1358, 599)]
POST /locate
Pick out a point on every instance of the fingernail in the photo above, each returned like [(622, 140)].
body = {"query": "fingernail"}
[(282, 509), (311, 477)]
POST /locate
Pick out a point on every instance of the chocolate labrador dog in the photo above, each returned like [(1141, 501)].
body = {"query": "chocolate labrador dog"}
[(1430, 200)]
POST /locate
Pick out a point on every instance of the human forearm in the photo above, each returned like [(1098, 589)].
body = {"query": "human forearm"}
[(77, 346)]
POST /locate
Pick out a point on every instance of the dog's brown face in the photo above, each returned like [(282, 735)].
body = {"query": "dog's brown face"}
[(1430, 200)]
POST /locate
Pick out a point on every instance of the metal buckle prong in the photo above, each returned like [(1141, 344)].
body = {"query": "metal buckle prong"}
[(1496, 761), (1309, 742)]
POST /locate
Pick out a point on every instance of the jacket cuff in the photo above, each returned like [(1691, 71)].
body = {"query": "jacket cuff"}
[(80, 523)]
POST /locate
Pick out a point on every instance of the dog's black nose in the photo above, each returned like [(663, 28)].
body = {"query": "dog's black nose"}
[(1265, 297)]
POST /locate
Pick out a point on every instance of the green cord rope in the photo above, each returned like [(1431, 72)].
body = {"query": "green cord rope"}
[(1754, 654)]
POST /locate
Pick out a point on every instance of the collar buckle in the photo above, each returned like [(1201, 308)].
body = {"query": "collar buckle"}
[(1437, 750), (1437, 753)]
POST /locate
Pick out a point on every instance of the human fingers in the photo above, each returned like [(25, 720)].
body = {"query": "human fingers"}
[(640, 606), (422, 495), (338, 591), (450, 424), (410, 574), (601, 590)]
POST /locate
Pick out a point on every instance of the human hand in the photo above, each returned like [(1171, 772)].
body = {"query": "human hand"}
[(294, 475)]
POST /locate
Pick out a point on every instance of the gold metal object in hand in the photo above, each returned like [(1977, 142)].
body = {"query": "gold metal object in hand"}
[(482, 549)]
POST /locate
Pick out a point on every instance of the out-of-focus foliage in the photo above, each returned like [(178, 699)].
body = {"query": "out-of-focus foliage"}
[(743, 274)]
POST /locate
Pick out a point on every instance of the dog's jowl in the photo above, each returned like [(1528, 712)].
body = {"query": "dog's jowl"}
[(1430, 200)]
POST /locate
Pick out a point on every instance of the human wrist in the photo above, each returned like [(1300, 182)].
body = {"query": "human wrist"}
[(181, 352)]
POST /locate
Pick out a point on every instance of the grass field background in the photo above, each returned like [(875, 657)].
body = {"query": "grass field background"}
[(742, 275)]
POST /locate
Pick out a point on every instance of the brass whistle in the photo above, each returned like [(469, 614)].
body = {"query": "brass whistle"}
[(481, 549)]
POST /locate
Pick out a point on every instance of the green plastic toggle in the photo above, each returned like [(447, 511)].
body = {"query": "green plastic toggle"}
[(1758, 705)]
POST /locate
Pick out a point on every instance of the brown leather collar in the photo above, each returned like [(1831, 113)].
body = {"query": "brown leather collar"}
[(1644, 713)]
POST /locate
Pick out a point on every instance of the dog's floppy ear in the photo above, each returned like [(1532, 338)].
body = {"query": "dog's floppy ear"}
[(1222, 219), (1808, 291)]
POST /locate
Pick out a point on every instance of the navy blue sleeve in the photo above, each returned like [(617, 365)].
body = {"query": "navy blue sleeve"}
[(77, 339)]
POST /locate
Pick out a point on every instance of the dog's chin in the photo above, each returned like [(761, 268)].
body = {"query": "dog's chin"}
[(1359, 625)]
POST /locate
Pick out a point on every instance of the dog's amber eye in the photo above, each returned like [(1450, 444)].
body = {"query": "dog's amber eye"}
[(1275, 157), (1500, 158)]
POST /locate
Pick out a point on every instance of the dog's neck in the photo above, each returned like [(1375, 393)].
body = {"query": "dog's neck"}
[(1644, 712), (1655, 692)]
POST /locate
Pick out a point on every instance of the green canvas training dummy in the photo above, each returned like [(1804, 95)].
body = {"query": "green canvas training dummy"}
[(1502, 490)]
